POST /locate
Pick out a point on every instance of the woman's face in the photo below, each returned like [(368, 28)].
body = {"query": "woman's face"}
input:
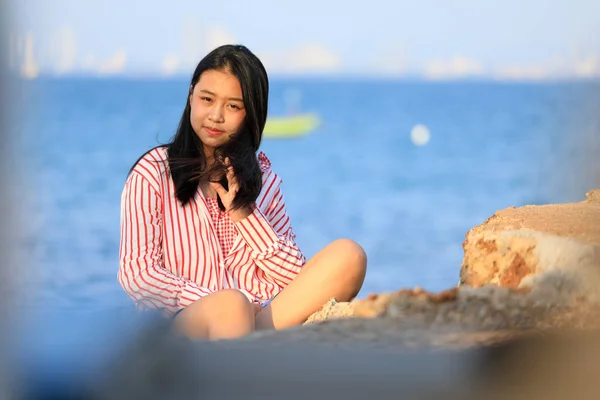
[(217, 108)]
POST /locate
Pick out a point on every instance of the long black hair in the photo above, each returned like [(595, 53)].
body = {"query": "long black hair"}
[(185, 154)]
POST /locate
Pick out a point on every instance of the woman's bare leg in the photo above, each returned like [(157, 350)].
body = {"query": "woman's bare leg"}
[(225, 314), (338, 270)]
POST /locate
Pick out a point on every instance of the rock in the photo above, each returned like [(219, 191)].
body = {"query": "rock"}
[(593, 195), (551, 303), (461, 317), (331, 310), (526, 269), (516, 243)]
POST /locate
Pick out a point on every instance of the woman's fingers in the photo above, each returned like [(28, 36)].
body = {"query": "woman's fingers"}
[(231, 179), (220, 189), (230, 176), (225, 196)]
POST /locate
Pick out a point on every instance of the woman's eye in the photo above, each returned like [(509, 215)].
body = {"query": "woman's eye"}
[(234, 106), (205, 99)]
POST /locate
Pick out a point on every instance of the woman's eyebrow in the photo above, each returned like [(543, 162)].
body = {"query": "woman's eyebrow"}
[(212, 94)]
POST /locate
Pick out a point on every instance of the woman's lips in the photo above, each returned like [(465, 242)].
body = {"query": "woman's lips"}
[(213, 132)]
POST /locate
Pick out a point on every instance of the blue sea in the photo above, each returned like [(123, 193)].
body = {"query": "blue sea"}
[(358, 175)]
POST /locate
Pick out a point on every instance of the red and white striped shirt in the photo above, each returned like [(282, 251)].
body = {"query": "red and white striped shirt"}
[(172, 255)]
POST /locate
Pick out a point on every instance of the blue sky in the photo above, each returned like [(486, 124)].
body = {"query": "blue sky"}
[(436, 39)]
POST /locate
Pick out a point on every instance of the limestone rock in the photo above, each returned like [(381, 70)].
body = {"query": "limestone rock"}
[(460, 317), (332, 310), (516, 243), (555, 302), (593, 195)]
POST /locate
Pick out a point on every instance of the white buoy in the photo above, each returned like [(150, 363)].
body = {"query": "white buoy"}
[(420, 135)]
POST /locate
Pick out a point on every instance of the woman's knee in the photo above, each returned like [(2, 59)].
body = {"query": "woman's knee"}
[(223, 314), (227, 301), (354, 255), (351, 266), (232, 300)]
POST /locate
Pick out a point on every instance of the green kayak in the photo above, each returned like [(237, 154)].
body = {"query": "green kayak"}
[(292, 126)]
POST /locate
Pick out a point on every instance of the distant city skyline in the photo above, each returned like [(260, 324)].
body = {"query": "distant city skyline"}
[(429, 39)]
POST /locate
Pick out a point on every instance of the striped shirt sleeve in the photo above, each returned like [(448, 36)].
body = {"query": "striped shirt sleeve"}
[(272, 241), (141, 269)]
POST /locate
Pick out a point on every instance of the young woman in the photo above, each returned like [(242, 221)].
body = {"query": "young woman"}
[(204, 232)]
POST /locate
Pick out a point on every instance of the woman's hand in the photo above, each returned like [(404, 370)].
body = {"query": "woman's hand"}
[(227, 196)]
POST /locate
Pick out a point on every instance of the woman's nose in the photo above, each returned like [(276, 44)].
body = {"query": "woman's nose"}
[(216, 115)]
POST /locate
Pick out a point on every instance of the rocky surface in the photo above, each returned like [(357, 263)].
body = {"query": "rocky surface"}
[(456, 318), (526, 270), (332, 310), (519, 242)]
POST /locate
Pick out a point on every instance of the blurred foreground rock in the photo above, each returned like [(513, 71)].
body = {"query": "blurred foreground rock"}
[(160, 366)]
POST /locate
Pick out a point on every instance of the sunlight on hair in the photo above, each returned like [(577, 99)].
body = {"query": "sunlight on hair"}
[(419, 135)]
